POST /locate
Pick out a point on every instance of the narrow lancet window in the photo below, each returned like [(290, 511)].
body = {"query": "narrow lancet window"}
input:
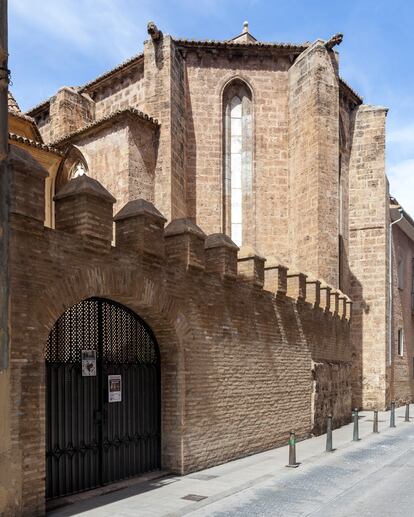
[(236, 169), (237, 161)]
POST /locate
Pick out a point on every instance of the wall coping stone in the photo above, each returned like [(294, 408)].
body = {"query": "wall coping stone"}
[(219, 240), (182, 226), (84, 185), (138, 207)]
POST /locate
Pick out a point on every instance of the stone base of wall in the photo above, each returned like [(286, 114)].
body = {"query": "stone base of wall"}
[(332, 394)]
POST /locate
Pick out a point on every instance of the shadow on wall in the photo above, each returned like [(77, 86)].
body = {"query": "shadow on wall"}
[(190, 158), (402, 371), (359, 308)]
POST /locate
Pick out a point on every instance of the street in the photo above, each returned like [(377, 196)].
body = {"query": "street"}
[(371, 477), (375, 480)]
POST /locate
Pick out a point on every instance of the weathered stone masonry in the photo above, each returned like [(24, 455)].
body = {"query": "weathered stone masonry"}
[(240, 365)]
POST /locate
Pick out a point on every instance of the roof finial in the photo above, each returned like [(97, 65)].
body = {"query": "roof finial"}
[(245, 27)]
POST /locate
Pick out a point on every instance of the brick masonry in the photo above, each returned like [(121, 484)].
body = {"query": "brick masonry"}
[(234, 381)]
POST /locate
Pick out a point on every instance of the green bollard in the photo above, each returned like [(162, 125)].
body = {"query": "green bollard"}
[(292, 451)]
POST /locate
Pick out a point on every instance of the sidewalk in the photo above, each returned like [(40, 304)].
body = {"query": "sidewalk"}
[(164, 496)]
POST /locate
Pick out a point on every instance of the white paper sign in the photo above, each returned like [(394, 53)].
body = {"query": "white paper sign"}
[(88, 363), (114, 388)]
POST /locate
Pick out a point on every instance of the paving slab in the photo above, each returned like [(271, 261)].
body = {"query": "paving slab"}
[(262, 477)]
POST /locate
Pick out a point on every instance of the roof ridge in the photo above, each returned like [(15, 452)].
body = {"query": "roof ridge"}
[(231, 43), (111, 71), (31, 120)]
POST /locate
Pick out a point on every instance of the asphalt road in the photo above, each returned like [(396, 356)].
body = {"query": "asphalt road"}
[(373, 478)]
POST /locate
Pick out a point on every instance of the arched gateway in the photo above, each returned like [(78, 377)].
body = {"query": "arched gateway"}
[(102, 398)]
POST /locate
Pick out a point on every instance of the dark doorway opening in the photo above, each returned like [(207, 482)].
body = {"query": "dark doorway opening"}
[(103, 417)]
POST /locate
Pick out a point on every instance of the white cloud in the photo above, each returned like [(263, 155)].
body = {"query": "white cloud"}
[(401, 177), (87, 25)]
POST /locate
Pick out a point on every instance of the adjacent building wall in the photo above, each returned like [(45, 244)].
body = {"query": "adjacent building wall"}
[(403, 317)]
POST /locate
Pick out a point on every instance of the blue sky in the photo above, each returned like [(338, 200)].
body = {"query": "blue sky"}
[(69, 42)]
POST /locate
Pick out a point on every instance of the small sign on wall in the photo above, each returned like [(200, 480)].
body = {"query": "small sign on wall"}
[(88, 363), (114, 388)]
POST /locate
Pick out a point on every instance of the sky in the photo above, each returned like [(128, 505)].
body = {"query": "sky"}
[(54, 43)]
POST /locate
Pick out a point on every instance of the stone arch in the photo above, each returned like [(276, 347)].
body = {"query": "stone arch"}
[(67, 169), (230, 78), (150, 301)]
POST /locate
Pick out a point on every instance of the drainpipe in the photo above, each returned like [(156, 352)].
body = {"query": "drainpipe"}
[(390, 286)]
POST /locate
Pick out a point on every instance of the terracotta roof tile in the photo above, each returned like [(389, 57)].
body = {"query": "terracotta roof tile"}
[(238, 44), (358, 98), (12, 103), (33, 143), (105, 75)]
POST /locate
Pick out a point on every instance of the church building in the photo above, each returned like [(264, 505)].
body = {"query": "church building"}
[(255, 278)]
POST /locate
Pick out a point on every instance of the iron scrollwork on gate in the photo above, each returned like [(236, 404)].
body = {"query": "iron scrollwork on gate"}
[(91, 442)]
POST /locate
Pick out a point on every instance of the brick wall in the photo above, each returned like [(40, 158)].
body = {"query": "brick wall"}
[(236, 360)]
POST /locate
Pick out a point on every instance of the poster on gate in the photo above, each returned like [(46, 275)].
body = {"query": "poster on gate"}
[(114, 388), (88, 363)]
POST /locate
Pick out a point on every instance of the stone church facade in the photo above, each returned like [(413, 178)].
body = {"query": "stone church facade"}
[(231, 197)]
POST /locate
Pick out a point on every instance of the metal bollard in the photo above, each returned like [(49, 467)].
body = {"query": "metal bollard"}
[(375, 429), (329, 434), (356, 427), (292, 451), (392, 415)]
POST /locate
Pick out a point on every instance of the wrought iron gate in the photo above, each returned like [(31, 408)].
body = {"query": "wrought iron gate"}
[(89, 440)]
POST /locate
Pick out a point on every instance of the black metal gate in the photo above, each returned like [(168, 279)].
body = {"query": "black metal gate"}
[(91, 441)]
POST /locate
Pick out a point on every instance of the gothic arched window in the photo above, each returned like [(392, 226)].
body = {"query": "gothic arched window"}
[(79, 169), (238, 170)]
